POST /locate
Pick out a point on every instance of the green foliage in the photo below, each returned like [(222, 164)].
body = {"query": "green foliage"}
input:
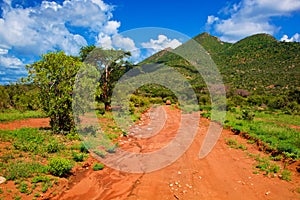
[(22, 169), (11, 115), (59, 166), (111, 64), (247, 115), (78, 157), (54, 75), (39, 178), (85, 51), (286, 175), (98, 166), (19, 96), (234, 144), (273, 135), (264, 67), (265, 165), (83, 148), (24, 188), (33, 140)]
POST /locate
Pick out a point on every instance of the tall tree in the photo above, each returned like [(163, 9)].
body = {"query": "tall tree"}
[(55, 75), (112, 64)]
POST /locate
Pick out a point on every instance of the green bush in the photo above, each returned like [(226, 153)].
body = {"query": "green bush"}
[(247, 115), (59, 166), (98, 166), (78, 157), (53, 146)]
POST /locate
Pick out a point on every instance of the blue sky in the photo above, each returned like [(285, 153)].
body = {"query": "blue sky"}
[(29, 29)]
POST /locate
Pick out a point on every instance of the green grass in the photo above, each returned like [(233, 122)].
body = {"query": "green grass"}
[(98, 166), (234, 144), (279, 118), (11, 115), (32, 140), (23, 169), (35, 159), (282, 139), (269, 167), (286, 175)]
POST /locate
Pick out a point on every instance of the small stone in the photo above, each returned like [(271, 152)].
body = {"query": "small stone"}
[(2, 179), (200, 177), (267, 193), (179, 172), (168, 102), (171, 185), (176, 183)]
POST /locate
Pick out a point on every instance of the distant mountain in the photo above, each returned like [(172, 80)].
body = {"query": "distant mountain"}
[(258, 63)]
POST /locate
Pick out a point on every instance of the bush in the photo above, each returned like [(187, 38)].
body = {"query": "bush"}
[(78, 157), (59, 166), (53, 146), (98, 166), (248, 115)]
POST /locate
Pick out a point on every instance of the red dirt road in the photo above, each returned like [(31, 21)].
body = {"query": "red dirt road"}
[(32, 123), (224, 174)]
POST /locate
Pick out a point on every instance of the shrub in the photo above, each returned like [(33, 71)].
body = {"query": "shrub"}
[(247, 115), (286, 175), (53, 146), (83, 148), (59, 166), (78, 157), (98, 166)]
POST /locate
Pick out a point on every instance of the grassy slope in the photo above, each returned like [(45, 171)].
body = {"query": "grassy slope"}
[(253, 63)]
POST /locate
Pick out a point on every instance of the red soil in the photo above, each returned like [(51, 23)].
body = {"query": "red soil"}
[(32, 123), (224, 174)]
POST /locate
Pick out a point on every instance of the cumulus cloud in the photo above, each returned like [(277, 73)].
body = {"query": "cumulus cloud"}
[(50, 26), (250, 17), (45, 28), (294, 38), (162, 42)]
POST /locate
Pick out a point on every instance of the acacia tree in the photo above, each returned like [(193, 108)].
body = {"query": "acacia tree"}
[(112, 65), (54, 75)]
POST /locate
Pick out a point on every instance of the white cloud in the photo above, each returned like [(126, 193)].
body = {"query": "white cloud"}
[(250, 17), (162, 42), (10, 62), (3, 51), (211, 19), (51, 26), (40, 29), (294, 38)]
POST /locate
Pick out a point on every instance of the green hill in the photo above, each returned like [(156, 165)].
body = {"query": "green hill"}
[(260, 66), (256, 63)]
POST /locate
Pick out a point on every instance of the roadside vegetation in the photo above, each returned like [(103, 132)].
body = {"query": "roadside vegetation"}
[(261, 77), (36, 161)]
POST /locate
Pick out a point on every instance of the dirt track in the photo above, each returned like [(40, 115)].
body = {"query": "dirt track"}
[(32, 123), (224, 174)]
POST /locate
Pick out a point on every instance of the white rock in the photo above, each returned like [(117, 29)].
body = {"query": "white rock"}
[(267, 193), (2, 179)]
